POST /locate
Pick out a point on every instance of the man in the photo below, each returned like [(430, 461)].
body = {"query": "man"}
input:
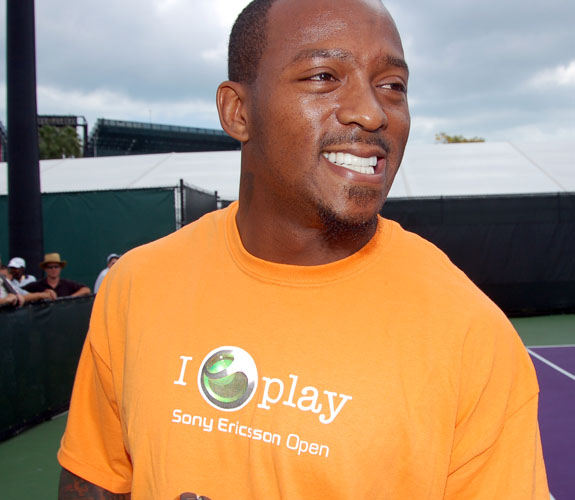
[(307, 348), (17, 269), (13, 295), (52, 266), (9, 296), (11, 280), (110, 261)]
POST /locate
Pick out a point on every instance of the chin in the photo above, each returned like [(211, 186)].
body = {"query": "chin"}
[(361, 205), (347, 225)]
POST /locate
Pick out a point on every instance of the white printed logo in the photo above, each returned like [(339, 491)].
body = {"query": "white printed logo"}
[(228, 378)]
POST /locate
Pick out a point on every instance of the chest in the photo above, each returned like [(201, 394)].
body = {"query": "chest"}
[(332, 389)]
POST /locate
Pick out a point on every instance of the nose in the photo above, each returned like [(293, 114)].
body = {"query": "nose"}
[(360, 105)]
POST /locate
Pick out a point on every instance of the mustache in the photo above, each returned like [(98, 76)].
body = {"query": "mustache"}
[(354, 138)]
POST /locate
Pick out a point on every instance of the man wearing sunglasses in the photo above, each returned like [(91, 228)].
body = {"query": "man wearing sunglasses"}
[(53, 265)]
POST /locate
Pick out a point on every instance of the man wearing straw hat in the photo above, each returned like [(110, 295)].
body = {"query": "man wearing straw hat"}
[(52, 266)]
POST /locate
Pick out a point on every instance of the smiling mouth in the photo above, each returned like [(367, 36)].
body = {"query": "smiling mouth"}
[(352, 162)]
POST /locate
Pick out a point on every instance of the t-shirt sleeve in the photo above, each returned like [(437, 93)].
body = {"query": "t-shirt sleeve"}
[(497, 448), (93, 445), (73, 286)]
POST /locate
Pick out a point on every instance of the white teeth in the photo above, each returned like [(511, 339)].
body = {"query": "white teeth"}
[(352, 162)]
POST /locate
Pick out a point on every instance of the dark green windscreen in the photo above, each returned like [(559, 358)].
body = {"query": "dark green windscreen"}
[(85, 227)]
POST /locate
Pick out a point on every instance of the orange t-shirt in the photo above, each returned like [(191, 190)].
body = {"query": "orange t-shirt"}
[(385, 375)]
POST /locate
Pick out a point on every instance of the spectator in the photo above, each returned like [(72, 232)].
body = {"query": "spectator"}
[(17, 269), (53, 265), (4, 271), (110, 261), (12, 294), (8, 295)]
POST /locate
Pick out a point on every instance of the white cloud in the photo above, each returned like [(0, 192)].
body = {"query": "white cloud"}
[(228, 10), (424, 128), (105, 103), (217, 54), (499, 70), (560, 76)]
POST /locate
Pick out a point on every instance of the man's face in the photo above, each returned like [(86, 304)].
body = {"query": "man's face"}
[(53, 270), (328, 111), (16, 272)]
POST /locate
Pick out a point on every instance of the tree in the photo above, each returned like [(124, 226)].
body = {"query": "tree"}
[(443, 138), (59, 142)]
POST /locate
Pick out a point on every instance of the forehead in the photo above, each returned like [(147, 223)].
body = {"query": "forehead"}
[(359, 29)]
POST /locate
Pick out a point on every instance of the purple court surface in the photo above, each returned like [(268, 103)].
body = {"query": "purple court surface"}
[(555, 366)]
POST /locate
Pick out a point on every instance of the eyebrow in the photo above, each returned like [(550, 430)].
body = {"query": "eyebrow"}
[(396, 62), (307, 54), (343, 55)]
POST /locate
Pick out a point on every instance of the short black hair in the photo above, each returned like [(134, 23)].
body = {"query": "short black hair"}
[(248, 40)]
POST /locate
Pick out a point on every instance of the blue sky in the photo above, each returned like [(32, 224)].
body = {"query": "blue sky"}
[(499, 69)]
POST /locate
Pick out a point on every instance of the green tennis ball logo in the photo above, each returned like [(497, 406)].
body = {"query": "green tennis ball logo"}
[(228, 378)]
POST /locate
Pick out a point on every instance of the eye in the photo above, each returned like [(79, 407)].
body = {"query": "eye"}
[(395, 86), (322, 77)]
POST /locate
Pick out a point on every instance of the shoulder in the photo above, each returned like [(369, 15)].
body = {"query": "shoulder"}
[(67, 282), (103, 272), (456, 312), (167, 260), (68, 287), (188, 243), (424, 275), (27, 279), (36, 286), (420, 260)]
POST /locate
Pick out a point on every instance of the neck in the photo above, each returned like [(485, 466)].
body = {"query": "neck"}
[(53, 282), (285, 240)]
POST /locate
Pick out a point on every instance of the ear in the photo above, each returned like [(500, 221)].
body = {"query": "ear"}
[(232, 108)]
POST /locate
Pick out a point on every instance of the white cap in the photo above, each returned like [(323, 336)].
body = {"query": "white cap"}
[(112, 256), (17, 262)]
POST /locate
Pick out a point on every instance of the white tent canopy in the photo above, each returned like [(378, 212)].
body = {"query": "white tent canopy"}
[(427, 170)]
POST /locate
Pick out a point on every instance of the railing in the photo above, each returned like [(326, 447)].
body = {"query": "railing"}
[(40, 345)]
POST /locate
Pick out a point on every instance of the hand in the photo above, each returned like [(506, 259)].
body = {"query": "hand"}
[(49, 294), (11, 299)]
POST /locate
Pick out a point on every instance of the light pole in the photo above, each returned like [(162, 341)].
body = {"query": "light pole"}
[(24, 198)]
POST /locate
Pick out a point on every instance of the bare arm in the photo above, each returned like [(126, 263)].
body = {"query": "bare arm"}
[(47, 294), (10, 300), (82, 291), (73, 487)]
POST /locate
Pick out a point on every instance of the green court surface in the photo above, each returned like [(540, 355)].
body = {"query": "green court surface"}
[(28, 465), (546, 330)]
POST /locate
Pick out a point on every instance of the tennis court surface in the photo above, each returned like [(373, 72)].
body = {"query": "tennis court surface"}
[(551, 342), (29, 468)]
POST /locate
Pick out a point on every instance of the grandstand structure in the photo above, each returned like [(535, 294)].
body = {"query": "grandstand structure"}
[(119, 138)]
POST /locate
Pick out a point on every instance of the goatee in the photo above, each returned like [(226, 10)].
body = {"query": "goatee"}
[(339, 229)]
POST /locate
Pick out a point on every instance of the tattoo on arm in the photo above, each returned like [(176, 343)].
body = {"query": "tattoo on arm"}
[(73, 487)]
